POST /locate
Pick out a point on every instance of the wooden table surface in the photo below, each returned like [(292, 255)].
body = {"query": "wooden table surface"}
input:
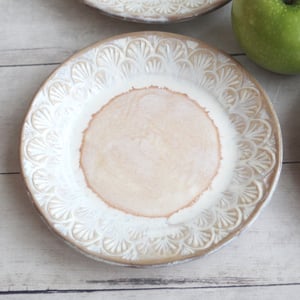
[(263, 263)]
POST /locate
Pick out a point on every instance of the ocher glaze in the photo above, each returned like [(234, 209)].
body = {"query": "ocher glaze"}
[(150, 152)]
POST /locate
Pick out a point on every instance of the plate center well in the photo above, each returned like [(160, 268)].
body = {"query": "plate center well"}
[(150, 152)]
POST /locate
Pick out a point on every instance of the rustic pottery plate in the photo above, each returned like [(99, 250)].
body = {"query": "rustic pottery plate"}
[(155, 11), (150, 148)]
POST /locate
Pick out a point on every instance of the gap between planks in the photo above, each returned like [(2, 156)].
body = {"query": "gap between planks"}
[(31, 65), (50, 291)]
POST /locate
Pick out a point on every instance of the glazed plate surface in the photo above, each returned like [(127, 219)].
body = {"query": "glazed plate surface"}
[(150, 148)]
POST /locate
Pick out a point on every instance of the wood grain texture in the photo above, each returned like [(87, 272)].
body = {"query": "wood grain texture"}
[(249, 293), (38, 31), (33, 259)]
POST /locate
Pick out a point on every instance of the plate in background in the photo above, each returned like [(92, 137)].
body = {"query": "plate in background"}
[(155, 11)]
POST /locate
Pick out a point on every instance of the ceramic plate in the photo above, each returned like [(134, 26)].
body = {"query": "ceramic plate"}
[(150, 148), (155, 11)]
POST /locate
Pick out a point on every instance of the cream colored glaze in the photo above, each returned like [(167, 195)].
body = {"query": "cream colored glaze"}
[(150, 152)]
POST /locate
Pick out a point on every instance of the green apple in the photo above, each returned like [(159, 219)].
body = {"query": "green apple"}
[(269, 32)]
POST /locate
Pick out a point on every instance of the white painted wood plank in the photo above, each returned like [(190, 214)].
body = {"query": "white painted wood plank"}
[(31, 258), (249, 293), (19, 84), (39, 31)]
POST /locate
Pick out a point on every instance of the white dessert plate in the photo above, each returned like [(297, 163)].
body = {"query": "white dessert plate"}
[(150, 148), (155, 11)]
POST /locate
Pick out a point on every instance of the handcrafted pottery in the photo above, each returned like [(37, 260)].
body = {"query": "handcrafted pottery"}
[(150, 148)]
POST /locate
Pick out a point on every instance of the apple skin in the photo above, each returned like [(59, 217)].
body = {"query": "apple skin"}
[(269, 33)]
